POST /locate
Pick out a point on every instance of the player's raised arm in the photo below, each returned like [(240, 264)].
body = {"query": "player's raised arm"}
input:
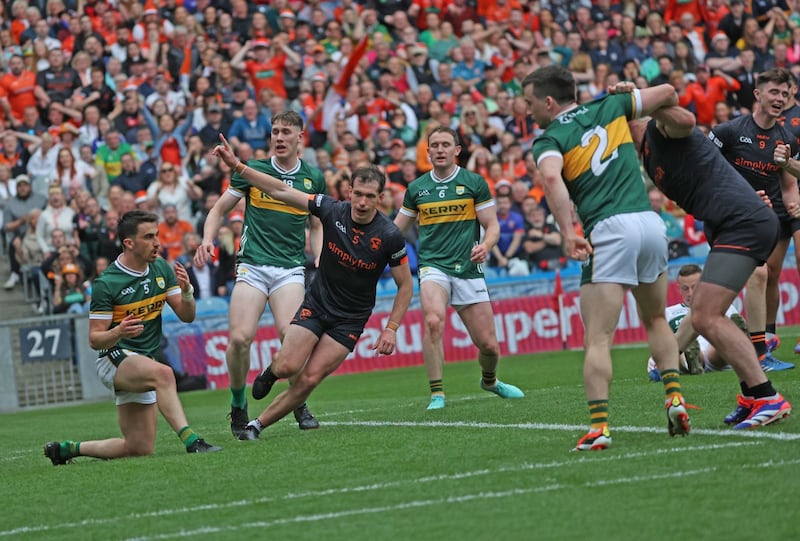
[(269, 184)]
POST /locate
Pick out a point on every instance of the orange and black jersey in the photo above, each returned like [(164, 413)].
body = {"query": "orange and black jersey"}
[(691, 172), (791, 120), (353, 258), (749, 148)]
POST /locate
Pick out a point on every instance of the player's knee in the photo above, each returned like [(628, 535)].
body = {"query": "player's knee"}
[(239, 341), (164, 377), (488, 346), (139, 448), (702, 320), (434, 324), (307, 382)]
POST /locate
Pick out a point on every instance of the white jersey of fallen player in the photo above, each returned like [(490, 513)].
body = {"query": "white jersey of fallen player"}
[(675, 314)]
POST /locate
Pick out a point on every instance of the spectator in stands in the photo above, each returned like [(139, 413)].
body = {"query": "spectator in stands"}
[(252, 128), (28, 253), (171, 231), (722, 55), (58, 82), (63, 255), (732, 23), (57, 215), (69, 294), (172, 189), (109, 154), (658, 203), (109, 245), (86, 228), (706, 91), (216, 123), (512, 231), (17, 90), (16, 211), (542, 241), (43, 154), (131, 179), (13, 154), (73, 174), (207, 277)]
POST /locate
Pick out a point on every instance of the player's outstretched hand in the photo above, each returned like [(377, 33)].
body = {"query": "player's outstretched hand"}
[(182, 276), (225, 153), (384, 345), (204, 254), (577, 247), (479, 253)]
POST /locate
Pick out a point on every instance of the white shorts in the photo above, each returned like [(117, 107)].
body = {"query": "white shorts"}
[(461, 291), (106, 371), (629, 249), (268, 279)]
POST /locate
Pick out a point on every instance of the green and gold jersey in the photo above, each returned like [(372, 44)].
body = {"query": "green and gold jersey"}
[(448, 219), (601, 166), (274, 232), (120, 291)]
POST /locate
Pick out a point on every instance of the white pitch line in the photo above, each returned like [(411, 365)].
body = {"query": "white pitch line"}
[(756, 434), (440, 501), (581, 459)]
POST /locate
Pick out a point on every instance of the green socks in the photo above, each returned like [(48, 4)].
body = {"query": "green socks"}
[(187, 436), (598, 413), (69, 449), (238, 399)]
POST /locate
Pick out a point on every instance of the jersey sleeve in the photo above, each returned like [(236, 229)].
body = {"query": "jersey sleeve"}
[(101, 305), (320, 186), (239, 185), (320, 205), (721, 135), (397, 248), (409, 207), (544, 146), (630, 103), (483, 197)]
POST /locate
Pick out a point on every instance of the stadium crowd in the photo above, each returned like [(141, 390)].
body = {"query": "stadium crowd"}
[(107, 106)]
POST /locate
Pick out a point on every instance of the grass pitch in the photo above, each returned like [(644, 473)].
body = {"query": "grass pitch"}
[(381, 467)]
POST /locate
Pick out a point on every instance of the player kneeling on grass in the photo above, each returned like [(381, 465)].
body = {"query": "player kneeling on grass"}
[(125, 327), (358, 243), (700, 356)]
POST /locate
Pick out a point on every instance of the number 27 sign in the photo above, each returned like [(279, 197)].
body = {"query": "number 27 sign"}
[(46, 342)]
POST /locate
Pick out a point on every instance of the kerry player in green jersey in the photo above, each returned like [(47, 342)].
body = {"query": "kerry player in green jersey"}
[(125, 328), (451, 205), (587, 153), (271, 260)]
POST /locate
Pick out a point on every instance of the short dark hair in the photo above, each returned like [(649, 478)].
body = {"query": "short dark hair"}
[(444, 129), (369, 173), (689, 270), (292, 118), (554, 81), (779, 76), (128, 225)]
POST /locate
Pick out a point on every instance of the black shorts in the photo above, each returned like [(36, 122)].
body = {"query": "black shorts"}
[(789, 227), (313, 317), (754, 235)]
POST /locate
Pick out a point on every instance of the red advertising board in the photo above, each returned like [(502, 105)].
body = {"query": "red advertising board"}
[(524, 325)]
